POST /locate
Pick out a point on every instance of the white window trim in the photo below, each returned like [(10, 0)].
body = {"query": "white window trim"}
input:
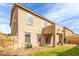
[(31, 19)]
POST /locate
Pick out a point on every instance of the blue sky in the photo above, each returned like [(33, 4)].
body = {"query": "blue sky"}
[(62, 13), (5, 11)]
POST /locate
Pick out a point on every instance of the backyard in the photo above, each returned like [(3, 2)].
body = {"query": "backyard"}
[(65, 50)]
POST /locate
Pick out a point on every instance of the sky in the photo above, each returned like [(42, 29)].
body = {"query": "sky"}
[(64, 14), (5, 11)]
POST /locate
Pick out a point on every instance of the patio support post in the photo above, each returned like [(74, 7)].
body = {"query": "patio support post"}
[(42, 40)]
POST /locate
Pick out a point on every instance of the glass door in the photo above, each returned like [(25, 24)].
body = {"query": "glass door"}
[(27, 39)]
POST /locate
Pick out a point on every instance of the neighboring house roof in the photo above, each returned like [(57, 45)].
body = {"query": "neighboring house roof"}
[(19, 5)]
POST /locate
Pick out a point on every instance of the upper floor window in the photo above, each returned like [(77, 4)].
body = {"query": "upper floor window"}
[(30, 19)]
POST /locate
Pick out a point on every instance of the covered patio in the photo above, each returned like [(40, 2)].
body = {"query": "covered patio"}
[(48, 38)]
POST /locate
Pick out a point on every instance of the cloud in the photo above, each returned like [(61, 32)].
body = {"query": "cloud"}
[(66, 10), (5, 4), (66, 15), (62, 13), (5, 10), (4, 28)]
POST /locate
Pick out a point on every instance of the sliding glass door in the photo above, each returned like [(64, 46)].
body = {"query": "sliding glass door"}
[(27, 38)]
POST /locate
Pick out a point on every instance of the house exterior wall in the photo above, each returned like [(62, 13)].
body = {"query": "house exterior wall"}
[(67, 33), (58, 31), (14, 28), (38, 25), (14, 24)]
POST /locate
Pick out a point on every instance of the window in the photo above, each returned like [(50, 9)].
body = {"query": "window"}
[(45, 24), (30, 19), (38, 37), (27, 38)]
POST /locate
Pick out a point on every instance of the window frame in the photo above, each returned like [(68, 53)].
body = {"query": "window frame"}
[(29, 37), (29, 19)]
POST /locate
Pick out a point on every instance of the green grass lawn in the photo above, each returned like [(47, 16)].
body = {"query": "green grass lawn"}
[(66, 50)]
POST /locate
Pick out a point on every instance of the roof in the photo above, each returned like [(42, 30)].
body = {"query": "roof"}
[(27, 9)]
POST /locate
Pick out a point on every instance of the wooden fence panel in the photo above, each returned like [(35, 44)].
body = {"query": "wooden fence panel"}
[(73, 39)]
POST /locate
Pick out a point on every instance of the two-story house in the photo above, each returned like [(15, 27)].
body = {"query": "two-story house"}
[(30, 28)]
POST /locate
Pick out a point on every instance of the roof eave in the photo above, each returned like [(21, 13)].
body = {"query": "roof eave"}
[(19, 5)]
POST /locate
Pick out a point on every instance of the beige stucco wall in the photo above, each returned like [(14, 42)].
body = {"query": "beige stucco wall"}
[(38, 25), (58, 29), (14, 24), (67, 32), (22, 26)]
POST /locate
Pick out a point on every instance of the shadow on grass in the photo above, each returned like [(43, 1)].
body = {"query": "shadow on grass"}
[(71, 52)]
